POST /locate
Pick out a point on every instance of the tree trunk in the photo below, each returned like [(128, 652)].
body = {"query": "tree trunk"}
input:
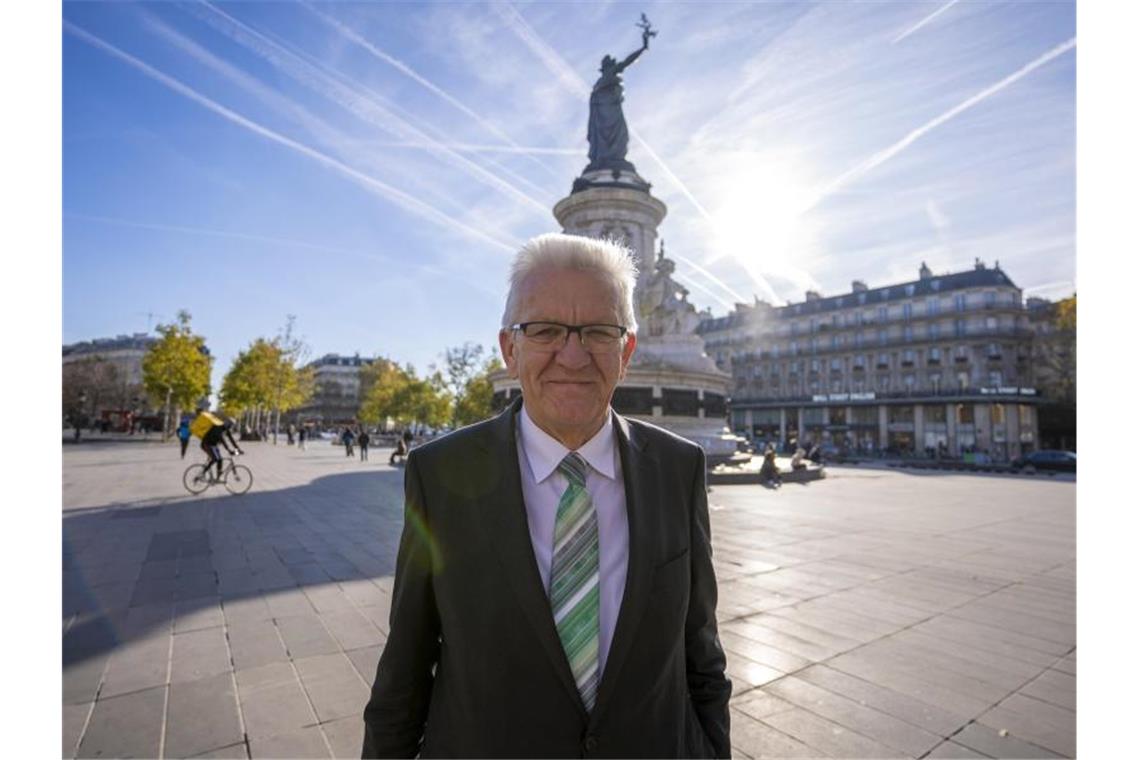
[(166, 417)]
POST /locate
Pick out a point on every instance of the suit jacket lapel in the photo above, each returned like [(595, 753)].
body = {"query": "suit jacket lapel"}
[(640, 496), (509, 534)]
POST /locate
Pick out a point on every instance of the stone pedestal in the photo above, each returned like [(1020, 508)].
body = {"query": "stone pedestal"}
[(621, 212)]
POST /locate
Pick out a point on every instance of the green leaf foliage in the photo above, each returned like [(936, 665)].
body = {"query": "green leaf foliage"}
[(177, 364)]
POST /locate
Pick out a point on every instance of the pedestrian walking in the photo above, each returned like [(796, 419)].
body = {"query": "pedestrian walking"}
[(363, 440), (289, 434), (346, 438), (301, 438), (184, 435)]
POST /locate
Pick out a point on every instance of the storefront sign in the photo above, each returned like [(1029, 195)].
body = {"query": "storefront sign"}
[(825, 397)]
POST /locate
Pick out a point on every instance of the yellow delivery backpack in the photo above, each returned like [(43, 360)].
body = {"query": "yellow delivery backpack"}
[(202, 424)]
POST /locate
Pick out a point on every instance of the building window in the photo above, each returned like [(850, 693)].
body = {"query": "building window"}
[(882, 313), (862, 298), (959, 328), (963, 381), (836, 365), (965, 414), (884, 382), (884, 360), (859, 362), (934, 354), (931, 306), (900, 414), (859, 339), (908, 332), (935, 381), (906, 310), (995, 377), (908, 357), (960, 302), (815, 365), (882, 336), (909, 290), (991, 299), (908, 381), (932, 331), (991, 323), (834, 342)]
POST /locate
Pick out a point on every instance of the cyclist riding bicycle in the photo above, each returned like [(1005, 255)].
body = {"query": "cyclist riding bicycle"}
[(214, 431)]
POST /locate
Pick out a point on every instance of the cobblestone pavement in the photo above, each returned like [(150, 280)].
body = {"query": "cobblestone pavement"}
[(876, 613)]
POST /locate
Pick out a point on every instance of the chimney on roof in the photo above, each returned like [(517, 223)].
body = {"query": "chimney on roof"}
[(924, 272), (978, 265), (858, 286), (812, 295)]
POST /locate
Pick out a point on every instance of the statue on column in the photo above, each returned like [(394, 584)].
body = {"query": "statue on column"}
[(607, 132)]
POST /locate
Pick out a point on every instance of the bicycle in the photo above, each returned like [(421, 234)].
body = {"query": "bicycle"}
[(237, 478)]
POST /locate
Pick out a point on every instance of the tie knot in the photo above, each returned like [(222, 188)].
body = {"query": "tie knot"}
[(573, 466)]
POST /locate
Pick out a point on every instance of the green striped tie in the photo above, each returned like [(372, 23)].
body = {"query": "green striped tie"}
[(574, 578)]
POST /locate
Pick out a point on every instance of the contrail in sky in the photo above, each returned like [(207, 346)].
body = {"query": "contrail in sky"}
[(366, 108), (890, 152), (231, 235), (925, 21), (381, 188), (470, 148), (408, 71)]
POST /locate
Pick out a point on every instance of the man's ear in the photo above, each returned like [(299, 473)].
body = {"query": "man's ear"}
[(627, 353), (507, 347)]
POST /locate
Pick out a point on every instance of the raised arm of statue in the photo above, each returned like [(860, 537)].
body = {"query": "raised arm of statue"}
[(633, 56)]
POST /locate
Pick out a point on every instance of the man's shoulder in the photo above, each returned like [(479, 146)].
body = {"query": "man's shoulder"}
[(475, 436), (659, 438)]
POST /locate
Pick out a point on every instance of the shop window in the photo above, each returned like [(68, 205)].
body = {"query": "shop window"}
[(934, 414), (965, 414), (900, 413)]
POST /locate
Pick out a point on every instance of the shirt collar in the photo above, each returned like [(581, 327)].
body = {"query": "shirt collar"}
[(544, 453)]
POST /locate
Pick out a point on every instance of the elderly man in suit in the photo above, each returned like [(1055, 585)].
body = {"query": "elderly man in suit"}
[(554, 592)]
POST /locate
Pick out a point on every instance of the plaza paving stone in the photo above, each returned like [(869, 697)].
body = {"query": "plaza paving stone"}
[(875, 613)]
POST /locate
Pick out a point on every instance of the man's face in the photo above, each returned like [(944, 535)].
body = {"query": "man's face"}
[(567, 389)]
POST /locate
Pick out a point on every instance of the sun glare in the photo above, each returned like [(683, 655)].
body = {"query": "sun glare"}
[(761, 221)]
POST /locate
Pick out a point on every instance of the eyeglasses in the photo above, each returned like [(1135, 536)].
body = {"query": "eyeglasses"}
[(552, 336)]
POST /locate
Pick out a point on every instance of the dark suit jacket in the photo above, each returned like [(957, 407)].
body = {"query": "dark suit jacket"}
[(473, 666)]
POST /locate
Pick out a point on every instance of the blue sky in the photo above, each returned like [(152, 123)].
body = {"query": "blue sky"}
[(370, 167)]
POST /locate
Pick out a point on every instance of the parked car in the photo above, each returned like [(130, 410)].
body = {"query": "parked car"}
[(1046, 460)]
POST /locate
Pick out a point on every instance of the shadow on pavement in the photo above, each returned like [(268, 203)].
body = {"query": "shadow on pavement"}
[(129, 568)]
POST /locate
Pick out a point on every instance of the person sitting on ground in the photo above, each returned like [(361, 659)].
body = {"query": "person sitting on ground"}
[(401, 451), (769, 470), (798, 459)]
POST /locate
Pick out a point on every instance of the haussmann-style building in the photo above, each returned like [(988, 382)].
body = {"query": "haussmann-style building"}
[(939, 365)]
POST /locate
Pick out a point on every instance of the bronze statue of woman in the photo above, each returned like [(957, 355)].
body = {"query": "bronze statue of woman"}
[(607, 132)]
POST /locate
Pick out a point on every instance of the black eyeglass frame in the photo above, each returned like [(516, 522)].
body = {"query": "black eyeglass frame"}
[(570, 329)]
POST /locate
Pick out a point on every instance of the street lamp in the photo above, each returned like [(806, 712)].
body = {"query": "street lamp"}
[(79, 415)]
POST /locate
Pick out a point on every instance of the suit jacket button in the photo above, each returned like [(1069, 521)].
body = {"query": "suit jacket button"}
[(591, 743)]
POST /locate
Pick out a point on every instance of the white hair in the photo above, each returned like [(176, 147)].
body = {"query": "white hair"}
[(555, 250)]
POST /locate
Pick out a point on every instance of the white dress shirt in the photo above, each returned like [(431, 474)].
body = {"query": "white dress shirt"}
[(542, 487)]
